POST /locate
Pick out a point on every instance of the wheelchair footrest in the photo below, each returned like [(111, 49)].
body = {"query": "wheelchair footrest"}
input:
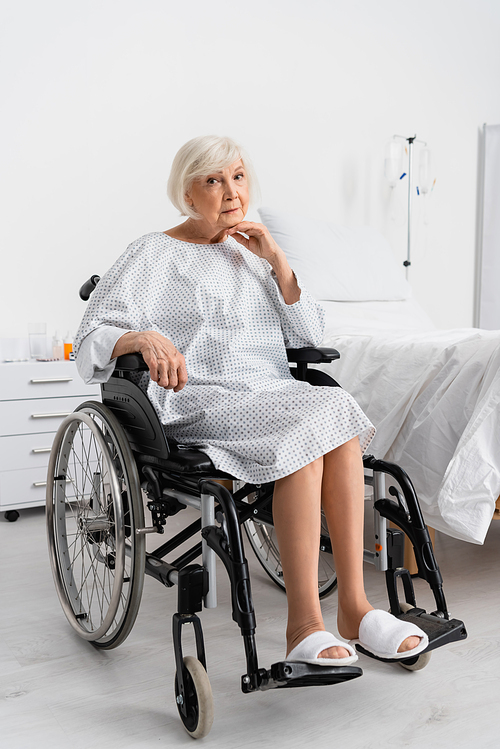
[(287, 674), (439, 631)]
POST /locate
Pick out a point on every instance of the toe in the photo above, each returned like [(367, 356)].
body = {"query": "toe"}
[(335, 652), (409, 644)]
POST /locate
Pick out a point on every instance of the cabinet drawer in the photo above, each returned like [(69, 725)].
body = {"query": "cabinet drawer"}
[(26, 487), (26, 451), (18, 487), (42, 380), (35, 416)]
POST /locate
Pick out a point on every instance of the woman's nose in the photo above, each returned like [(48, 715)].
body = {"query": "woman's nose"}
[(231, 192)]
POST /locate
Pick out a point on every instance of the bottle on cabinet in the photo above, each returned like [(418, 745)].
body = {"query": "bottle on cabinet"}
[(68, 347), (57, 347)]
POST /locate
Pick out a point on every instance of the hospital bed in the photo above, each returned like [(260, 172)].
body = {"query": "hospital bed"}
[(433, 395)]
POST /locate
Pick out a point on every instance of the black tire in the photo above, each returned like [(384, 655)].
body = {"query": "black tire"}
[(94, 505), (264, 543), (11, 515), (199, 700)]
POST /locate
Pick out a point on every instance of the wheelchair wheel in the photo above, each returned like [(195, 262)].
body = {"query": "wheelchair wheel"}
[(197, 714), (263, 541), (420, 661), (94, 505)]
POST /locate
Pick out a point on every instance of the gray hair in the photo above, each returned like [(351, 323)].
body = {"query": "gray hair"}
[(200, 157)]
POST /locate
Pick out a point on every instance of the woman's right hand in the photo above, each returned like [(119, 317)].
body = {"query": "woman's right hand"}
[(166, 365)]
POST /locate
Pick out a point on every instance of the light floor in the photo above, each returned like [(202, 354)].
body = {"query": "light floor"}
[(57, 691)]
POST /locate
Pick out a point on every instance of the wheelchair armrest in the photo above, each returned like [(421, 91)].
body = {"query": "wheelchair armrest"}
[(311, 355), (130, 362)]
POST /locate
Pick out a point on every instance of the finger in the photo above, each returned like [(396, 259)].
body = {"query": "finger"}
[(242, 240), (248, 227), (162, 377), (164, 372), (152, 363), (182, 377), (172, 377)]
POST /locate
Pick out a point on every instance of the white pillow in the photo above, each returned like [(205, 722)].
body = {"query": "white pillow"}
[(337, 263)]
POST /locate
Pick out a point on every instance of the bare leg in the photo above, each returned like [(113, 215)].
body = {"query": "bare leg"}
[(336, 480), (343, 504), (297, 520)]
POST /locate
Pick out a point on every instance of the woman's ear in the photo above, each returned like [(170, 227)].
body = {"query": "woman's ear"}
[(188, 199)]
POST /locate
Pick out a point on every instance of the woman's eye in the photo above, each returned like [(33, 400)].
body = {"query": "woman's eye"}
[(211, 181), (239, 176)]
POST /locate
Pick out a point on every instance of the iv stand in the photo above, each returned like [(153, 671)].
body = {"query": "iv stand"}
[(411, 140)]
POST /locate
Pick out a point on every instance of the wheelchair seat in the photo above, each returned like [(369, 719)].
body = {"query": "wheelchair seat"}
[(141, 423)]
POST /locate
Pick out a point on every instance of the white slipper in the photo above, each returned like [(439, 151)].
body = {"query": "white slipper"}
[(382, 633), (311, 646)]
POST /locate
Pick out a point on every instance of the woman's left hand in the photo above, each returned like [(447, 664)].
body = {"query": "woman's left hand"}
[(259, 241)]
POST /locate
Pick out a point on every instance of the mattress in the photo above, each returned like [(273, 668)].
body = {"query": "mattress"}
[(434, 397)]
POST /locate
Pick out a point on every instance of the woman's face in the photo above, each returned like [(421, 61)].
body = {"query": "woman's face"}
[(222, 197)]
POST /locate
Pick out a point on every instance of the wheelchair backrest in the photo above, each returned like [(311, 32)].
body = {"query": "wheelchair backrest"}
[(133, 409), (128, 401)]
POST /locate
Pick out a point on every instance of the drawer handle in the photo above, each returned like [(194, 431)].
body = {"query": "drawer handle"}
[(51, 379), (44, 483), (37, 450), (50, 416)]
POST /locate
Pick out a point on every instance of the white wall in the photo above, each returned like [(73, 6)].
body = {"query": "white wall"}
[(99, 95)]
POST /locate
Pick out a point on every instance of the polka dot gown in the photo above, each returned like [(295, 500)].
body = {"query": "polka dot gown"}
[(222, 307)]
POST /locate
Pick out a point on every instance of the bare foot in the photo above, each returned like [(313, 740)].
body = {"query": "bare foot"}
[(348, 626), (409, 644), (348, 621), (334, 652)]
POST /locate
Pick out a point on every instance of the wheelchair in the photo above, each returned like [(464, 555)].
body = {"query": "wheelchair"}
[(110, 460)]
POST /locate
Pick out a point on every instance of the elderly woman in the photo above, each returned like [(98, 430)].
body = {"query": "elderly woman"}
[(211, 305)]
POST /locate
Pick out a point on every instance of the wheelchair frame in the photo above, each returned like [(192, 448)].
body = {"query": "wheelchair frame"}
[(173, 478)]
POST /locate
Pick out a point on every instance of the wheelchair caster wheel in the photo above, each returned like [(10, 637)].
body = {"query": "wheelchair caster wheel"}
[(417, 663), (196, 706), (420, 661), (11, 515)]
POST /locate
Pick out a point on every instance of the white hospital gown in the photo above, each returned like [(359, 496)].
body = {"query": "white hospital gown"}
[(222, 308)]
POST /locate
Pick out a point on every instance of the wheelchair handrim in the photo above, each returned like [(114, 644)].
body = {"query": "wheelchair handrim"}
[(83, 545)]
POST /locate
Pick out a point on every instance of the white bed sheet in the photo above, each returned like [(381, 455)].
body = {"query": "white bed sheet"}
[(434, 396)]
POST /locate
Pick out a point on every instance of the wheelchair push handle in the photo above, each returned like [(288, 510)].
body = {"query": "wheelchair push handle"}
[(88, 287)]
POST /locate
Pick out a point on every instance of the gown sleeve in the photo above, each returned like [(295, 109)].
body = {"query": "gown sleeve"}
[(117, 306), (303, 323)]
